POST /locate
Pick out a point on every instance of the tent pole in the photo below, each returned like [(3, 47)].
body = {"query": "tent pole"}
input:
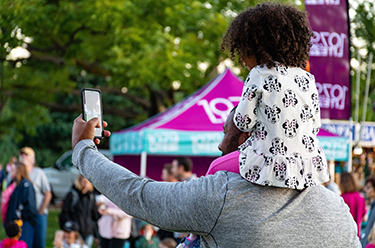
[(350, 155), (366, 90), (143, 163)]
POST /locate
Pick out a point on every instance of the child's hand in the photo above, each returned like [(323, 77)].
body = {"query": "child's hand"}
[(57, 243)]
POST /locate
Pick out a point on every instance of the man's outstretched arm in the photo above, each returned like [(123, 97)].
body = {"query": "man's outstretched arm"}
[(186, 207)]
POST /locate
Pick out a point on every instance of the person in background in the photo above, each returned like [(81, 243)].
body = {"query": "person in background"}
[(22, 203), (69, 237), (114, 225), (355, 201), (371, 238), (182, 169), (79, 206), (12, 160), (5, 197), (167, 243), (3, 176), (43, 194), (148, 238), (13, 232), (167, 174), (332, 186), (370, 194)]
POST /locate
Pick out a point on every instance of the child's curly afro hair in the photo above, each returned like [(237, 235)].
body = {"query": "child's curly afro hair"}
[(270, 32)]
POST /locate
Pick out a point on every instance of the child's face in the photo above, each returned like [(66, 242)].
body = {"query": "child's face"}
[(250, 62), (69, 237)]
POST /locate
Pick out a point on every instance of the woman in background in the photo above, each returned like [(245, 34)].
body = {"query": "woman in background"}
[(349, 192), (79, 206), (114, 225), (22, 204)]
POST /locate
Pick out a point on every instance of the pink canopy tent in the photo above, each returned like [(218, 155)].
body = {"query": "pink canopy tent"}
[(193, 127)]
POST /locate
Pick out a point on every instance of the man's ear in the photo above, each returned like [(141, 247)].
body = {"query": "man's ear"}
[(243, 137)]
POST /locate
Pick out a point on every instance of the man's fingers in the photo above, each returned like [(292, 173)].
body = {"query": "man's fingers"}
[(107, 133), (86, 130)]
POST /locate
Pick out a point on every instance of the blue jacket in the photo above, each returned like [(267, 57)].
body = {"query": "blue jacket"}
[(22, 204)]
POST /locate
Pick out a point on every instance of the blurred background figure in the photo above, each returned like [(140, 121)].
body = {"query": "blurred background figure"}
[(43, 194), (3, 176), (114, 225), (371, 239), (13, 232), (69, 237), (22, 203), (79, 206), (182, 169), (167, 174), (332, 186), (370, 194), (148, 238), (167, 243), (12, 160), (349, 192)]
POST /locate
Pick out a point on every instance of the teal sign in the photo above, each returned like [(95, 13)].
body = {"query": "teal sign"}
[(166, 142), (193, 143), (335, 148)]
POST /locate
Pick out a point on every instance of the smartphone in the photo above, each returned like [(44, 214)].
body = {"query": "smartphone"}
[(91, 100)]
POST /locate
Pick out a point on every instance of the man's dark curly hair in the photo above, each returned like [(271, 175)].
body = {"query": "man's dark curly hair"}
[(270, 32)]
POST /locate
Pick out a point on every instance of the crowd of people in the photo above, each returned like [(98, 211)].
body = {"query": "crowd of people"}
[(265, 191), (87, 218)]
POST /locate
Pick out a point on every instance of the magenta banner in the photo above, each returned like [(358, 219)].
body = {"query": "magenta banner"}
[(329, 56)]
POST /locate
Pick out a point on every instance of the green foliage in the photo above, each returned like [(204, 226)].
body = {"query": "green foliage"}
[(363, 31), (144, 55)]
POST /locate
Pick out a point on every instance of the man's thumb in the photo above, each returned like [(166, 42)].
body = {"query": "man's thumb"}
[(94, 122)]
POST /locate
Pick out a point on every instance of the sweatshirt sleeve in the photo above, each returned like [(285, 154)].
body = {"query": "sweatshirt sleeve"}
[(192, 206)]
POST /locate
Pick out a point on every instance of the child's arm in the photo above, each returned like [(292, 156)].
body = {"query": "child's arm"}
[(245, 115), (227, 162)]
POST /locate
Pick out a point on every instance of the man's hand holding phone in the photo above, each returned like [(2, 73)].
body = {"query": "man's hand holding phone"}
[(91, 100), (86, 130)]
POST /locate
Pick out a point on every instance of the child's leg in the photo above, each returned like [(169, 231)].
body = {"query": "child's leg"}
[(227, 162)]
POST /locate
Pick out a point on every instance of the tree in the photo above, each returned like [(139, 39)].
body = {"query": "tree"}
[(363, 40), (143, 55)]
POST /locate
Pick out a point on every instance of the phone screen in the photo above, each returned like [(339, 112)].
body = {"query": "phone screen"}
[(92, 107)]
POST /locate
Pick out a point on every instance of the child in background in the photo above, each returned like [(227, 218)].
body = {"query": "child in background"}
[(13, 231), (69, 237), (148, 238)]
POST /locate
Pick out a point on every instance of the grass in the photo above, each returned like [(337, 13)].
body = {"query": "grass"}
[(53, 225)]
